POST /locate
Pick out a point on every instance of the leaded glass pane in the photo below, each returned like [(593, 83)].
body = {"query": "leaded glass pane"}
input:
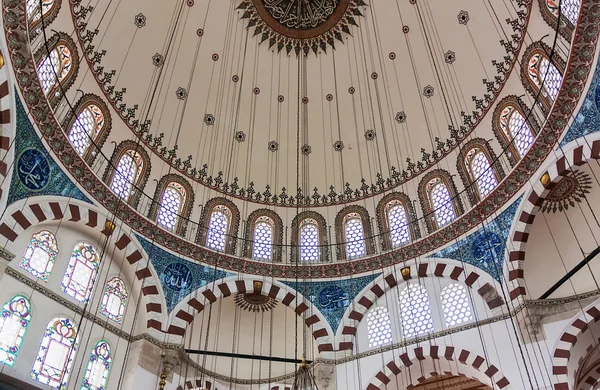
[(40, 255), (309, 240), (415, 311), (456, 304), (56, 353), (85, 128), (113, 300), (441, 202), (33, 7), (544, 75), (58, 63), (218, 227), (262, 246), (16, 315), (128, 169), (355, 238), (481, 171), (98, 367), (513, 124), (569, 9), (379, 327), (81, 271), (170, 205), (398, 223)]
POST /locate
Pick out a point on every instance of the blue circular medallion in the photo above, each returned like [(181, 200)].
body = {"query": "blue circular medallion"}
[(332, 298), (177, 276), (33, 169), (488, 248)]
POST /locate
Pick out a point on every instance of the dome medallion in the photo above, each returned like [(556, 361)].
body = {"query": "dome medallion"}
[(301, 25)]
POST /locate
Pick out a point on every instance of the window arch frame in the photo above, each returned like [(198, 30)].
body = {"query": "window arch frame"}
[(544, 50), (426, 203), (88, 367), (123, 300), (513, 154), (321, 229), (277, 233), (566, 26), (340, 231), (98, 141), (55, 94), (20, 334), (234, 223), (383, 220), (137, 188), (185, 209), (51, 260), (67, 279), (34, 27), (470, 182)]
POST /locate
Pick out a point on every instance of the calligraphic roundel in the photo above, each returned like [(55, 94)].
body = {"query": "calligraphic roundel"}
[(301, 19), (177, 276), (33, 169), (488, 249), (333, 298)]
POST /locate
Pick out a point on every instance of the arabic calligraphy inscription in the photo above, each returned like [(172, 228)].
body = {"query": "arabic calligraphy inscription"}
[(177, 276), (301, 14), (33, 169)]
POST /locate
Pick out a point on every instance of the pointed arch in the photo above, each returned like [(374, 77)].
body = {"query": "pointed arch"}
[(80, 275), (98, 367), (515, 127), (114, 300), (353, 233), (479, 168), (309, 240), (260, 223), (49, 12), (61, 60), (16, 316), (439, 199), (569, 14), (173, 202), (219, 223), (396, 220), (88, 126), (128, 171), (40, 255)]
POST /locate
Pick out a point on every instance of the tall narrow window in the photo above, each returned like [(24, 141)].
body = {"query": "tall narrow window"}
[(173, 199), (397, 220), (516, 129), (113, 300), (441, 202), (127, 173), (218, 228), (56, 354), (398, 223), (309, 240), (81, 272), (439, 199), (56, 64), (542, 75), (415, 311), (379, 327), (456, 304), (16, 315), (98, 367), (40, 255), (569, 9), (33, 9), (354, 235), (481, 172), (262, 247), (86, 128)]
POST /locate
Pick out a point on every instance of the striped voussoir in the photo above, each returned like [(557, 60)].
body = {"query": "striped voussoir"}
[(196, 302), (441, 269), (575, 155), (197, 384), (68, 211), (590, 380), (6, 129), (464, 362), (564, 348)]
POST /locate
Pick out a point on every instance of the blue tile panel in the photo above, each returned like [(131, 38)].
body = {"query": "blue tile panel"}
[(485, 247), (178, 277), (36, 173), (332, 298)]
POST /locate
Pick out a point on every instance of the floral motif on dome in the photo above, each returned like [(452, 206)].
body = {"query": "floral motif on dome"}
[(255, 302), (569, 190)]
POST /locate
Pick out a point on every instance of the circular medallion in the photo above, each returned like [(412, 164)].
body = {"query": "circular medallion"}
[(488, 248), (177, 276), (333, 298), (33, 169)]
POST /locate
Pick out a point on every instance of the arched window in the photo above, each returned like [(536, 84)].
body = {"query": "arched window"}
[(128, 171), (439, 199), (98, 367), (49, 10), (87, 127), (379, 327), (415, 311), (16, 315), (40, 255), (56, 354), (263, 236), (57, 67), (113, 300), (176, 199), (81, 272), (569, 13), (263, 239), (309, 237), (479, 169), (542, 75), (218, 225), (514, 129), (353, 233), (309, 240), (396, 219), (455, 301)]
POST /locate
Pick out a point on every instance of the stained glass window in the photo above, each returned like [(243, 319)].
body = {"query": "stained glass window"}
[(16, 315), (40, 255), (113, 300), (81, 272), (170, 206), (397, 223), (481, 171), (218, 226), (86, 128), (415, 310), (58, 63), (569, 9), (98, 367), (513, 124), (33, 9), (262, 246), (355, 238), (456, 304), (309, 240), (129, 167), (379, 327), (544, 75), (56, 353), (441, 201)]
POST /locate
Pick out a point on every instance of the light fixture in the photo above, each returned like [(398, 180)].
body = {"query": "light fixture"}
[(405, 272)]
